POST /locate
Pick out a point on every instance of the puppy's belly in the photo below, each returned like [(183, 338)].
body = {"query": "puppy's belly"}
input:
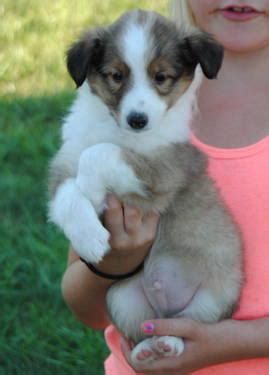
[(169, 286)]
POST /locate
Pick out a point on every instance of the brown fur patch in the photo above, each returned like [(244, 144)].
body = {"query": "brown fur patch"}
[(107, 86), (173, 85), (161, 66), (113, 71), (178, 90)]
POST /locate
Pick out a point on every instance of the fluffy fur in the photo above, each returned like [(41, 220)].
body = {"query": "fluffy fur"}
[(127, 133)]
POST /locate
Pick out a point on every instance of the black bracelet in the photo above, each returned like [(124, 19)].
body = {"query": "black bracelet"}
[(112, 277)]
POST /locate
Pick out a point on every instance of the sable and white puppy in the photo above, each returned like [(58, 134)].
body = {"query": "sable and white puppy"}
[(127, 133)]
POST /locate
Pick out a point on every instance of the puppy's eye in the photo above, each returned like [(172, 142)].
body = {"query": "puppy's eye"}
[(160, 78), (117, 77)]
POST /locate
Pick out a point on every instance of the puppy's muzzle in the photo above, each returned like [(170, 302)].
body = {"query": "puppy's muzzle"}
[(137, 120)]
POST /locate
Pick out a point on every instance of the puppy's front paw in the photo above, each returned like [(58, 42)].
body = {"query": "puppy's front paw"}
[(153, 348), (168, 346), (75, 214), (90, 241)]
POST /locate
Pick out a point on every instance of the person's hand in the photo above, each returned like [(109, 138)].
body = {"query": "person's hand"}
[(131, 236), (205, 345)]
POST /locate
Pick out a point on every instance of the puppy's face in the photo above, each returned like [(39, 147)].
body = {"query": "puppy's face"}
[(141, 65)]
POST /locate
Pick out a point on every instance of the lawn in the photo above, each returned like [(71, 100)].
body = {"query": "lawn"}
[(38, 334)]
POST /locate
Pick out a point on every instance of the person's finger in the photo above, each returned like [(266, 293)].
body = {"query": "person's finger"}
[(113, 215), (125, 348), (164, 365), (126, 343), (182, 327), (132, 219)]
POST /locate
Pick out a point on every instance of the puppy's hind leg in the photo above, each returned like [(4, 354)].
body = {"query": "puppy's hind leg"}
[(156, 347), (129, 308)]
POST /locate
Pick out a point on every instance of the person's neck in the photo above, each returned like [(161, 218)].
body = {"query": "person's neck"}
[(233, 109), (241, 70)]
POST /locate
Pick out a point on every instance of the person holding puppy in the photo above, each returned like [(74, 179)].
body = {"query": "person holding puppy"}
[(232, 128)]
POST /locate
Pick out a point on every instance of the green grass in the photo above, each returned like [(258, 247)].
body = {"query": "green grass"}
[(38, 335)]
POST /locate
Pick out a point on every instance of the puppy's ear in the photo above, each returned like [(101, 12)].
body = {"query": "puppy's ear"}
[(85, 54), (201, 48)]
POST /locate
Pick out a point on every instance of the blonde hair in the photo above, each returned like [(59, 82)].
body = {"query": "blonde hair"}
[(181, 13)]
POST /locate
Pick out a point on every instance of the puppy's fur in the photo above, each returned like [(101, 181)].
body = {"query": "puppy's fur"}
[(127, 133)]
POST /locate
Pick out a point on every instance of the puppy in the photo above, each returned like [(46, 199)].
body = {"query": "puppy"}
[(127, 133)]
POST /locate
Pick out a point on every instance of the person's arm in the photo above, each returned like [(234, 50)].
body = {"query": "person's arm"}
[(132, 235), (84, 293), (207, 344)]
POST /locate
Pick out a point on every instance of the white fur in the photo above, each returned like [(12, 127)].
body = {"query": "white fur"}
[(102, 169), (141, 97), (75, 214), (78, 201)]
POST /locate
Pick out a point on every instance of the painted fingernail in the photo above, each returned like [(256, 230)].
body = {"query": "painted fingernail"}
[(148, 327)]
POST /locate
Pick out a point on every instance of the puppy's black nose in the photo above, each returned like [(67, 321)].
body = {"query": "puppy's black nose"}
[(137, 120)]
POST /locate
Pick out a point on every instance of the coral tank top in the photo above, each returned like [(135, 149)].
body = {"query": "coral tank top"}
[(242, 177)]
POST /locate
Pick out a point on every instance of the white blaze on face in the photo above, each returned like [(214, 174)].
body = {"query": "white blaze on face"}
[(141, 97)]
